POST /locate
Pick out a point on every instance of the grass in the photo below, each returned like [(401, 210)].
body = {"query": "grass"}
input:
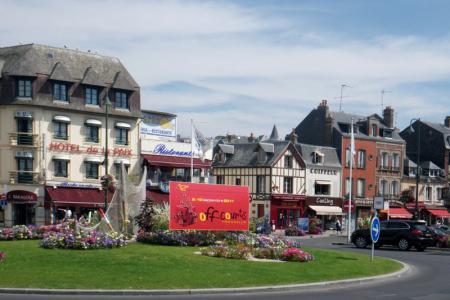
[(143, 266)]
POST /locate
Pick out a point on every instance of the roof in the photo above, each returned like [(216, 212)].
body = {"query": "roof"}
[(227, 149), (441, 128), (175, 161), (330, 155), (274, 135), (64, 196), (65, 64), (429, 165), (246, 155), (409, 163)]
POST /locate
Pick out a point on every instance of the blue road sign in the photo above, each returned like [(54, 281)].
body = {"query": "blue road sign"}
[(375, 229)]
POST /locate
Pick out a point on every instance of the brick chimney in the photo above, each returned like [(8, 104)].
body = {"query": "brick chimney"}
[(293, 136), (447, 121), (251, 138), (388, 116)]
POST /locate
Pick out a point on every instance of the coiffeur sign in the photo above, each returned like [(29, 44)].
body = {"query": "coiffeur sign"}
[(208, 206)]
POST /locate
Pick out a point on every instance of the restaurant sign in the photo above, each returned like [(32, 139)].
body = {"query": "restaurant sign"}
[(324, 201), (21, 196), (195, 206)]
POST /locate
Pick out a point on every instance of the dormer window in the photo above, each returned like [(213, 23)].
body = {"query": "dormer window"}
[(91, 96), (121, 100), (387, 133), (317, 158), (262, 156), (24, 89), (374, 130), (60, 91), (288, 161)]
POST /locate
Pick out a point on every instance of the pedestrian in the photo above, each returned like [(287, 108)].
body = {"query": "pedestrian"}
[(338, 226)]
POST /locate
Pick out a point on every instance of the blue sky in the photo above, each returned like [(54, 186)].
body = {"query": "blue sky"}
[(242, 66)]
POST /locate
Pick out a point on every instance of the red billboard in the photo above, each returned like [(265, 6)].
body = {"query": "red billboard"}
[(196, 206)]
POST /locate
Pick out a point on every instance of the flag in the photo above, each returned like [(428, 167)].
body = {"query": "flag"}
[(352, 144), (200, 144)]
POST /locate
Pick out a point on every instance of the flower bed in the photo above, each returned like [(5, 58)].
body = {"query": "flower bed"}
[(18, 232), (177, 238), (82, 240)]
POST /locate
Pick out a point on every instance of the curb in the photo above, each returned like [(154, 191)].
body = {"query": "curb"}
[(244, 290)]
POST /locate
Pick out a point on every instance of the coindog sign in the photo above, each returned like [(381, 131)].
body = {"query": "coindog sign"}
[(195, 206)]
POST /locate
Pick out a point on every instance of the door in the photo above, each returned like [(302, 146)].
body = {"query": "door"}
[(260, 210), (24, 129), (23, 214)]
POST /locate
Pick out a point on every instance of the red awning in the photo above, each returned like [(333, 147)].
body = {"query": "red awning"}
[(158, 197), (62, 196), (441, 213), (175, 161), (412, 205), (398, 213)]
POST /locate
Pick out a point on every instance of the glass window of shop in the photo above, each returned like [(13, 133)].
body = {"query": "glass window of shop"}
[(322, 189)]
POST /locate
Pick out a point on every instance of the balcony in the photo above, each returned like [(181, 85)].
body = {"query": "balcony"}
[(24, 139), (26, 177), (389, 169)]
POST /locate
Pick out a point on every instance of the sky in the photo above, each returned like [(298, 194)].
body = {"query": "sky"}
[(242, 66)]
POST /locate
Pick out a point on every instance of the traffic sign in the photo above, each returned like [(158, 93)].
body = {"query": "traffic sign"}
[(378, 203), (345, 205), (375, 229)]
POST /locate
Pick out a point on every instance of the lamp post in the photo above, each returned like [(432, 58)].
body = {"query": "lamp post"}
[(411, 130), (107, 104)]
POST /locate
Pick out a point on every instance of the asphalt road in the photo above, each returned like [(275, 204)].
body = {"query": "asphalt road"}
[(428, 279)]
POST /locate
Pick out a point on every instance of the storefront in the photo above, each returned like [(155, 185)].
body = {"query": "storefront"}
[(396, 213), (326, 209), (286, 209), (80, 200), (438, 215), (23, 205)]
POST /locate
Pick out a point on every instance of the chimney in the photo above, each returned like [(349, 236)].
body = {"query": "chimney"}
[(293, 136), (388, 116), (229, 138), (251, 138), (447, 121)]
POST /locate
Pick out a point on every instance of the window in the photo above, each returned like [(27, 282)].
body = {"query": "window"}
[(60, 130), (361, 159), (91, 96), (412, 172), (317, 158), (238, 181), (287, 185), (322, 189), (121, 136), (395, 161), (220, 179), (121, 99), (25, 168), (384, 160), (397, 225), (288, 161), (384, 187), (60, 168), (347, 157), (92, 134), (347, 186), (394, 188), (118, 171), (428, 193), (24, 89), (262, 156), (91, 170), (374, 130), (260, 184), (439, 193), (360, 187), (60, 91)]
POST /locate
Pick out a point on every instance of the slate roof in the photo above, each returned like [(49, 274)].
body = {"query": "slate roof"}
[(65, 64), (330, 155), (274, 135), (441, 128), (246, 155), (429, 165), (409, 163)]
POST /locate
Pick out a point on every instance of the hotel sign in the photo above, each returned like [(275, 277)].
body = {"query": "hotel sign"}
[(75, 148)]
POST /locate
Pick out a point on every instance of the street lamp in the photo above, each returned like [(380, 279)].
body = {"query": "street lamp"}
[(411, 130), (107, 105)]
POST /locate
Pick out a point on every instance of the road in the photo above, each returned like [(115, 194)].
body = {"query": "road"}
[(428, 280)]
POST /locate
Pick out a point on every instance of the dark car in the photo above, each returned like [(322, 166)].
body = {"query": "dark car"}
[(403, 234), (439, 235)]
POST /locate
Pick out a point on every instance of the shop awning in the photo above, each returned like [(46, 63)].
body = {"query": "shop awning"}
[(324, 182), (158, 197), (175, 161), (440, 213), (327, 210), (81, 197), (397, 213)]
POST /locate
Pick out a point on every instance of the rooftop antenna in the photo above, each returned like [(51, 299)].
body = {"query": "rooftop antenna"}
[(382, 98), (342, 88)]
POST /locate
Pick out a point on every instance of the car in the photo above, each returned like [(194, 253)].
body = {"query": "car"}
[(403, 234), (439, 235)]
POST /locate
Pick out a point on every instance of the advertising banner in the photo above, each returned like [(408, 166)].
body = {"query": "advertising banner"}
[(154, 124), (195, 206)]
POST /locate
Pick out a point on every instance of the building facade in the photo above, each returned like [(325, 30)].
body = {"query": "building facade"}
[(274, 172), (53, 140)]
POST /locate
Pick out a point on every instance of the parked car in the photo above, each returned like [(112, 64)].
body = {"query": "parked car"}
[(403, 234), (439, 235)]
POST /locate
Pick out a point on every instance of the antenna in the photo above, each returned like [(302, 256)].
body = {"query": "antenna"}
[(382, 98), (342, 88)]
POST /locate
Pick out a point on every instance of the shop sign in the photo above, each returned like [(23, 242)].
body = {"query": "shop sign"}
[(155, 124), (23, 114), (324, 201), (363, 202), (163, 150), (323, 171), (19, 195), (288, 197), (75, 148), (77, 185), (196, 206)]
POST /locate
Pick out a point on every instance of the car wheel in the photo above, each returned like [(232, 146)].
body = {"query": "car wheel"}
[(403, 245), (360, 242), (420, 248)]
